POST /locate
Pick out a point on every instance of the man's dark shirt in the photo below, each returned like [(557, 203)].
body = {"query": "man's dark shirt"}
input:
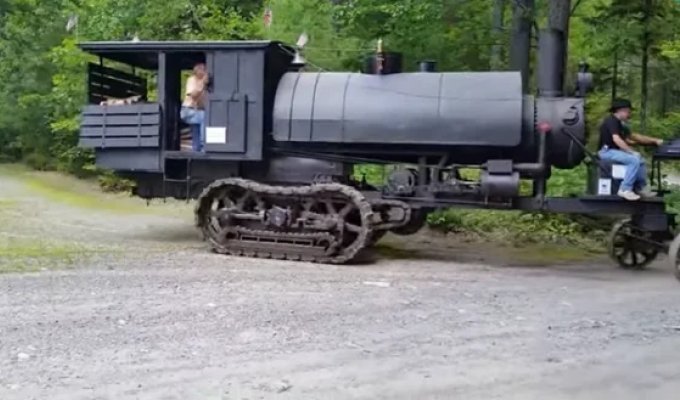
[(611, 126)]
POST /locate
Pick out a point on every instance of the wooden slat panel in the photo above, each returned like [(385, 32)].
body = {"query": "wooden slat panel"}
[(112, 131), (96, 69), (114, 93), (144, 108), (119, 142), (107, 83), (120, 119)]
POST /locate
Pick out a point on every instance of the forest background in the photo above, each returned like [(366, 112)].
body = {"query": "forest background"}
[(631, 46)]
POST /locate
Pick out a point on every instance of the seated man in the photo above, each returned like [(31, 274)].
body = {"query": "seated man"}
[(614, 145), (192, 111)]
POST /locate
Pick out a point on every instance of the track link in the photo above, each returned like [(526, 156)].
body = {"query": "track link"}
[(325, 222)]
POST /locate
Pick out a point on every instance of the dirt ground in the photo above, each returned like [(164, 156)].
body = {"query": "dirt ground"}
[(104, 297)]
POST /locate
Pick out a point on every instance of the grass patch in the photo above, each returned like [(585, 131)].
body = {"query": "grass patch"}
[(78, 193), (466, 247), (26, 255), (7, 204), (516, 228)]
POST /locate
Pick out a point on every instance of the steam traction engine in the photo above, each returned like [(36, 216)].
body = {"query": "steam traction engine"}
[(276, 177)]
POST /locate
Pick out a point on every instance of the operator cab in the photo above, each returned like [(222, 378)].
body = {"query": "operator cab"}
[(135, 92)]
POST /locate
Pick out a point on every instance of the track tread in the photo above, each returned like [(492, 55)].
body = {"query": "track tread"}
[(344, 255)]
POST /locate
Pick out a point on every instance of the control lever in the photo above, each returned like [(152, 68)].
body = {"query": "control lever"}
[(593, 157)]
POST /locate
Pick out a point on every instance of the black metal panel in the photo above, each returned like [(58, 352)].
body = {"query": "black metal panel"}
[(602, 205), (237, 124), (132, 159), (108, 142), (283, 101), (604, 179), (223, 69), (565, 115), (303, 107), (297, 170), (144, 54), (593, 205), (109, 130), (121, 119), (652, 222), (170, 98), (402, 108), (234, 113), (139, 108), (326, 111)]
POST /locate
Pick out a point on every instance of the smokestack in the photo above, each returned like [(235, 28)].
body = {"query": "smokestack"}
[(520, 46), (551, 68)]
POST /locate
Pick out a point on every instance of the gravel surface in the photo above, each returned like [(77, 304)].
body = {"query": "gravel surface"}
[(152, 315)]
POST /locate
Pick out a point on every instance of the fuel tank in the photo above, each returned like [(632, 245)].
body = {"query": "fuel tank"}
[(450, 108)]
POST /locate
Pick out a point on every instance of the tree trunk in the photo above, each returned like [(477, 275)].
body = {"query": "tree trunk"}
[(645, 65), (559, 12), (520, 45), (615, 75), (496, 59)]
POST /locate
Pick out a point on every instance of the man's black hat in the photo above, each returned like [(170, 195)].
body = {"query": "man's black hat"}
[(619, 104)]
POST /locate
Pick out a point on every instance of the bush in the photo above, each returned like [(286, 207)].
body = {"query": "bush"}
[(517, 227), (110, 182), (39, 161)]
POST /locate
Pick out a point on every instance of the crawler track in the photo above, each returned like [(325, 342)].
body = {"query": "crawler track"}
[(326, 222)]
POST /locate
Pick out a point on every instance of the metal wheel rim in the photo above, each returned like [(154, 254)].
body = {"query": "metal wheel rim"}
[(626, 250)]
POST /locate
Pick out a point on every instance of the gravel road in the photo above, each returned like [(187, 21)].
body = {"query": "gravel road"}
[(152, 315)]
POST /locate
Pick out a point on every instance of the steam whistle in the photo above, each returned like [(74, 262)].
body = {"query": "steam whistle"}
[(298, 59)]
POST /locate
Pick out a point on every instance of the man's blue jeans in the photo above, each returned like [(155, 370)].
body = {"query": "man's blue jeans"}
[(636, 171), (196, 119)]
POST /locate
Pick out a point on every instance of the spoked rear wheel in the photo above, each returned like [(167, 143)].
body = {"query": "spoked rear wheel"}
[(631, 247)]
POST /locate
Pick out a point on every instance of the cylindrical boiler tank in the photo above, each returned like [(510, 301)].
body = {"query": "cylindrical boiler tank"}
[(471, 108), (474, 116)]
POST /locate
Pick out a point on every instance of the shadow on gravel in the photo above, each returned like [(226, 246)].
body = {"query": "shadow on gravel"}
[(168, 234), (428, 246), (536, 259)]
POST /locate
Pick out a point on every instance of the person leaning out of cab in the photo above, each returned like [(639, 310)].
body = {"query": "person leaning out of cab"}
[(193, 106)]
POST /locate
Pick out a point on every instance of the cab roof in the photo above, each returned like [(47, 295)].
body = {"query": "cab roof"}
[(144, 54)]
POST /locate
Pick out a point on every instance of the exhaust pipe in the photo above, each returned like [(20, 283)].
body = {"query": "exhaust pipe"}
[(551, 68)]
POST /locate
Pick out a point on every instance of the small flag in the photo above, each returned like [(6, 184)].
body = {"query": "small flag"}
[(267, 17)]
